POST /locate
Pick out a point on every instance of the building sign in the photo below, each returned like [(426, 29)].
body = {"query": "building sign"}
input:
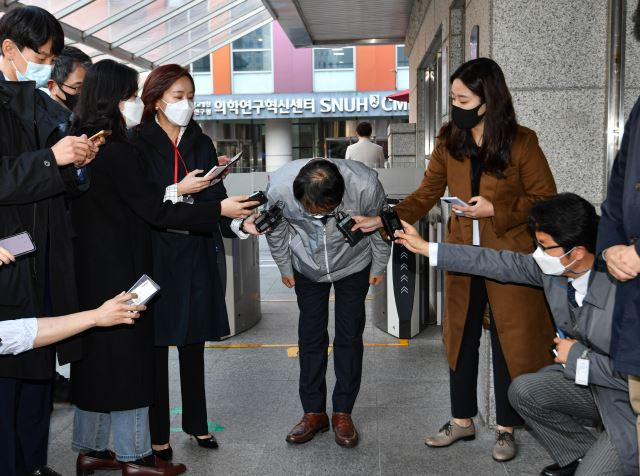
[(306, 105)]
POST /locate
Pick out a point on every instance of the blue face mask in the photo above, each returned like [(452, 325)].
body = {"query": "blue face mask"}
[(40, 73)]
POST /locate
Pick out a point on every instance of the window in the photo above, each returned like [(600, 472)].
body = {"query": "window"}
[(203, 65), (402, 69), (333, 58), (252, 52), (201, 72), (334, 69), (401, 59)]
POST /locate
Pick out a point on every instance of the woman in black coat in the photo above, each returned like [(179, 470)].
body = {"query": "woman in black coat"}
[(191, 307), (112, 386)]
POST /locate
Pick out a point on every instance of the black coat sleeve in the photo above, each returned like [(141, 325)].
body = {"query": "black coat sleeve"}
[(29, 177), (144, 197), (217, 192)]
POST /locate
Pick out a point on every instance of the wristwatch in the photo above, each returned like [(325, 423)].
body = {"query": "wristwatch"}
[(241, 227)]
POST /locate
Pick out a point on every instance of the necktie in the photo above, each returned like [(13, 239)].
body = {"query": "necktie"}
[(571, 294)]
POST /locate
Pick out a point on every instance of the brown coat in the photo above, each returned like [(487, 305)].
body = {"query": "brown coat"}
[(520, 312)]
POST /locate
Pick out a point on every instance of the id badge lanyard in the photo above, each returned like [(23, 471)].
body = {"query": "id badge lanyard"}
[(176, 156)]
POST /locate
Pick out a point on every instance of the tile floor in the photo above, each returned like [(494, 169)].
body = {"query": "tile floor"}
[(253, 402)]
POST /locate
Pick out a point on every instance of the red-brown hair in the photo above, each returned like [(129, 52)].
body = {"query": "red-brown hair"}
[(157, 83)]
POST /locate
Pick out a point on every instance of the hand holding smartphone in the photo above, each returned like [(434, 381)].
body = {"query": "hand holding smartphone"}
[(103, 134), (259, 197), (457, 202), (19, 244), (217, 170), (145, 288)]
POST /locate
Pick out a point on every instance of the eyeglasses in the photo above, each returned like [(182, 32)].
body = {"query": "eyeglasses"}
[(75, 89), (545, 248)]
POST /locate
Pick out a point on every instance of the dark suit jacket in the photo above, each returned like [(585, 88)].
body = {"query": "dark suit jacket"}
[(620, 225), (592, 330)]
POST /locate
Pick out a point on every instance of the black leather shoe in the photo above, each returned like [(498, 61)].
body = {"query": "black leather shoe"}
[(556, 470), (165, 454), (45, 471)]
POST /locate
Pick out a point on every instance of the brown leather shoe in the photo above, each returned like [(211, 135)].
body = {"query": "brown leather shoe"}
[(160, 468), (96, 460), (307, 428), (345, 431)]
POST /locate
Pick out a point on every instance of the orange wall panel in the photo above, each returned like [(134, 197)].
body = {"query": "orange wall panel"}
[(375, 68), (222, 70)]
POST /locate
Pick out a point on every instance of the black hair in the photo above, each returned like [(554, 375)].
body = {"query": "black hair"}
[(568, 218), (484, 78), (31, 27), (106, 84), (319, 186), (636, 22), (364, 129), (66, 63)]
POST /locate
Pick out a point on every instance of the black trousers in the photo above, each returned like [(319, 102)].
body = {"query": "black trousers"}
[(313, 340), (194, 404), (25, 410), (464, 380)]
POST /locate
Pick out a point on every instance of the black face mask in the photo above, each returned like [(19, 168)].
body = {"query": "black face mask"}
[(70, 101), (466, 118)]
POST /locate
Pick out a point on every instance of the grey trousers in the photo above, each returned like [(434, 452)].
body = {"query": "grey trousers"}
[(552, 406)]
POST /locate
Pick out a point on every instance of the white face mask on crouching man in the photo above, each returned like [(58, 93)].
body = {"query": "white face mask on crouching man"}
[(551, 265)]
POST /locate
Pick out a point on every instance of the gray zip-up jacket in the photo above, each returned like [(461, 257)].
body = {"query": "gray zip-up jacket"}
[(316, 250)]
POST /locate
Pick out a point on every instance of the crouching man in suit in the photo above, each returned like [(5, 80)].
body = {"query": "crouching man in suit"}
[(582, 384)]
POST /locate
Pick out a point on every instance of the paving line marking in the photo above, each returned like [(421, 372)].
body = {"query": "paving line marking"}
[(400, 343)]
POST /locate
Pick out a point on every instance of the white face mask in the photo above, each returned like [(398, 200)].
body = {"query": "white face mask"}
[(551, 265), (132, 111), (179, 113), (40, 73)]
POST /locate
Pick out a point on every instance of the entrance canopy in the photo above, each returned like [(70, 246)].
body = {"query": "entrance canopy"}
[(149, 33), (342, 22)]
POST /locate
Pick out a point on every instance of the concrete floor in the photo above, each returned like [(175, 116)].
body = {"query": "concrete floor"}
[(253, 402)]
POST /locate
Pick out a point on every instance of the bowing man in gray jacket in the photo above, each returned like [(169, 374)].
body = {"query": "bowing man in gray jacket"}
[(312, 255), (582, 384)]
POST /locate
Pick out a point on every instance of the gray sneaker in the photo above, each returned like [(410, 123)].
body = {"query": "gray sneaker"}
[(505, 448), (450, 433)]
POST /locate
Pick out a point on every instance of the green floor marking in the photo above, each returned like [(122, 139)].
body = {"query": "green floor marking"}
[(210, 425)]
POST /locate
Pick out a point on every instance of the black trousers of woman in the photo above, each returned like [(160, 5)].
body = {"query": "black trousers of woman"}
[(194, 404), (464, 380)]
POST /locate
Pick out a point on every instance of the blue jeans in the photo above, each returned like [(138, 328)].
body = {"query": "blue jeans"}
[(131, 438)]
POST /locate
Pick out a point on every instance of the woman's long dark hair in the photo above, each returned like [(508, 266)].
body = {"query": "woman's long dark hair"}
[(106, 84), (485, 79)]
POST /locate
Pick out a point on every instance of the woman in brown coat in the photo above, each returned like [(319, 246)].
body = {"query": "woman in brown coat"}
[(486, 159)]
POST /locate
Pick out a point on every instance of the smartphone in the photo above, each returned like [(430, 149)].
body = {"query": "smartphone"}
[(216, 170), (258, 196), (103, 133), (18, 245), (145, 288), (454, 201)]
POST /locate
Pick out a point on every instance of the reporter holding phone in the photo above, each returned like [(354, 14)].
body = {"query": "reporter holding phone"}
[(113, 384), (189, 267), (486, 159)]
